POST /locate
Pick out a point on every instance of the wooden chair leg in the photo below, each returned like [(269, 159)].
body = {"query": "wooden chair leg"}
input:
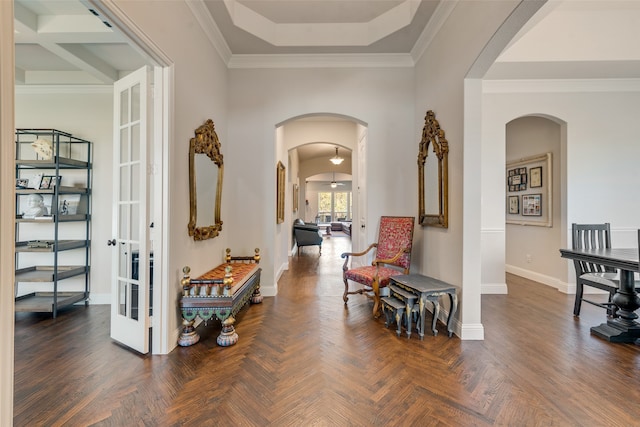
[(576, 305), (345, 296), (376, 305)]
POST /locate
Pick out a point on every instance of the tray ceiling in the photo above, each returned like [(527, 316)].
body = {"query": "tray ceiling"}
[(64, 42)]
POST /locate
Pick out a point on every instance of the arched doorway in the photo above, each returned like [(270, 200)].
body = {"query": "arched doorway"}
[(310, 142)]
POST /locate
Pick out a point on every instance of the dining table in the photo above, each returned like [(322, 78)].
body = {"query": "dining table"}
[(623, 327)]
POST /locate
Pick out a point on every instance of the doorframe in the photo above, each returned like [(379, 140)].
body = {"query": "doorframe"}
[(7, 231)]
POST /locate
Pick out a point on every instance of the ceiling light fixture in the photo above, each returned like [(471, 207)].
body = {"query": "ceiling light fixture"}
[(336, 160), (334, 184)]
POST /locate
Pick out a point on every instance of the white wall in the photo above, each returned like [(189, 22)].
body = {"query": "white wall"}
[(440, 87), (262, 98), (86, 113), (200, 93), (602, 133), (529, 247)]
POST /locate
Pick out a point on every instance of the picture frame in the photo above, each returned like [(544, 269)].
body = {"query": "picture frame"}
[(535, 190), (45, 182), (49, 182), (68, 205), (535, 175), (22, 183), (532, 205), (517, 179), (295, 197), (280, 183), (514, 204)]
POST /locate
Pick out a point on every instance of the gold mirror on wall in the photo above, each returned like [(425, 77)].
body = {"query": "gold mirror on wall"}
[(205, 183), (433, 174), (280, 176)]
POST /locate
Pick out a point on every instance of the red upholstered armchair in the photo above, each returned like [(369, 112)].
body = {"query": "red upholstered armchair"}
[(392, 257)]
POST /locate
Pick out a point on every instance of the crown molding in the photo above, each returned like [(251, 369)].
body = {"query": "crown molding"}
[(561, 85), (208, 25), (322, 61)]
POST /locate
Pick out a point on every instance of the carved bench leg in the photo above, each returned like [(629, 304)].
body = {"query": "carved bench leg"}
[(188, 336), (228, 335), (256, 298)]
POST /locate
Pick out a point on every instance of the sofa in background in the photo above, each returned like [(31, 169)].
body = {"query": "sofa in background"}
[(344, 226), (307, 234)]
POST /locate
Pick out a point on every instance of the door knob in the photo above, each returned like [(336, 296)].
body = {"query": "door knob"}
[(111, 242)]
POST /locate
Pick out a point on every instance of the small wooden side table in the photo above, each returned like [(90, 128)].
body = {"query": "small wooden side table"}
[(429, 289)]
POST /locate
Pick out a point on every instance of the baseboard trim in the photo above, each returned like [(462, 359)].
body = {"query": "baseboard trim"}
[(472, 332), (536, 277), (494, 289)]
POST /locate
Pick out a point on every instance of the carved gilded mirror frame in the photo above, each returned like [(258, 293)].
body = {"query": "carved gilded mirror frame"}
[(433, 136), (280, 183), (205, 142)]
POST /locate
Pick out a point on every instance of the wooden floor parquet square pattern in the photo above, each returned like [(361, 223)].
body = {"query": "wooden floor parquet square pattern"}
[(304, 359)]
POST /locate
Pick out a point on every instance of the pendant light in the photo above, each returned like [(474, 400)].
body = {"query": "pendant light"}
[(336, 160)]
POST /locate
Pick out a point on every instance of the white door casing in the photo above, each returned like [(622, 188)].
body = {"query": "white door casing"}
[(360, 231)]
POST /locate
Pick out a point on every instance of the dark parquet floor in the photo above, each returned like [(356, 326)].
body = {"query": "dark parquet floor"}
[(303, 359)]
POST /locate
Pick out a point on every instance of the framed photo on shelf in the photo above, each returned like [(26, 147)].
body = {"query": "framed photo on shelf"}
[(514, 205), (49, 182), (68, 204), (45, 182), (532, 205)]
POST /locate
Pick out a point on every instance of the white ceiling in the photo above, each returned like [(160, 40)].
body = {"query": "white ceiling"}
[(322, 150), (62, 42)]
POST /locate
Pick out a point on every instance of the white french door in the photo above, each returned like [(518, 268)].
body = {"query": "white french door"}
[(130, 299)]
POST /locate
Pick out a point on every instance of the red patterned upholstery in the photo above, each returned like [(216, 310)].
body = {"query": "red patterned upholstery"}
[(393, 257)]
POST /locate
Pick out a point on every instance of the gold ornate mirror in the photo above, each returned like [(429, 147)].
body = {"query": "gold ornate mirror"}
[(280, 177), (433, 174), (205, 174)]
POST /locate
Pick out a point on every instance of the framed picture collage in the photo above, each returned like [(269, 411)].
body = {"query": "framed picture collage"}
[(528, 185)]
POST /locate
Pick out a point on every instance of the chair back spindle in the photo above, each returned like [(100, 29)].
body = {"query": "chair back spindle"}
[(593, 237)]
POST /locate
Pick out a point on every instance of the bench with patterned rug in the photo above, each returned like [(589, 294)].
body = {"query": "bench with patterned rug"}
[(221, 292)]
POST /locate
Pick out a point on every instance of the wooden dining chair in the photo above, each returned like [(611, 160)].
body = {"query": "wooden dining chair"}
[(593, 236)]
